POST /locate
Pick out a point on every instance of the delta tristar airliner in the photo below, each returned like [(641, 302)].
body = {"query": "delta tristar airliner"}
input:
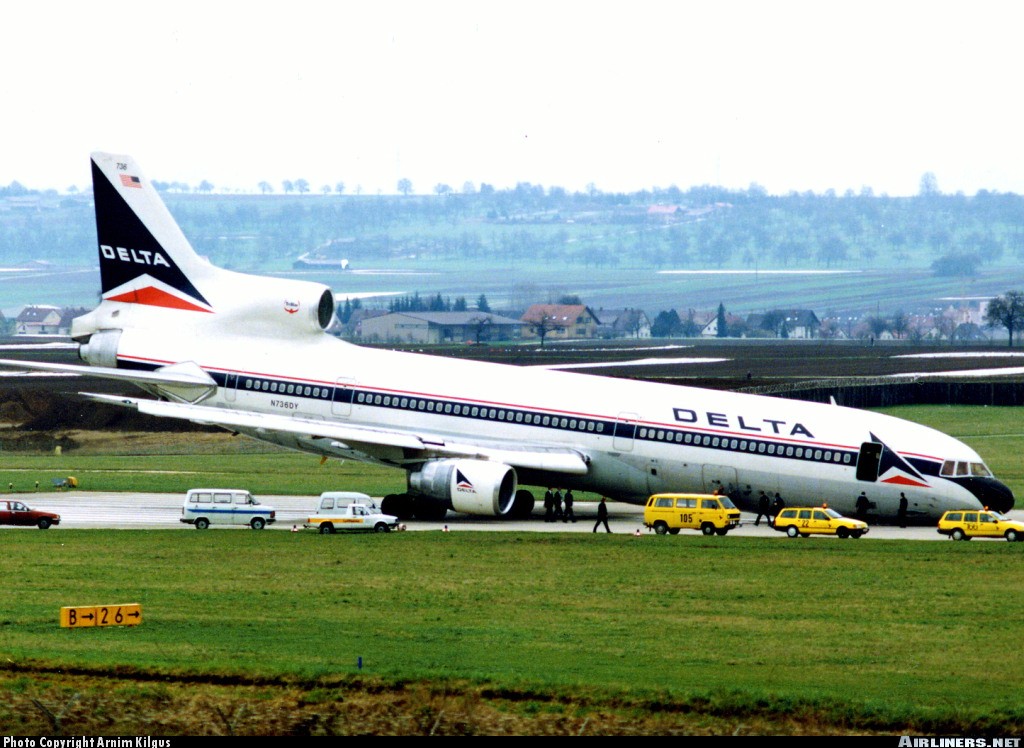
[(250, 354)]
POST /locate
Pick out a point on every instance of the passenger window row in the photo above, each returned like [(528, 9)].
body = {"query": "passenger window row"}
[(509, 415)]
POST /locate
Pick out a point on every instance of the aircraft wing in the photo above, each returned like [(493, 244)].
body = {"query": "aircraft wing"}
[(392, 444)]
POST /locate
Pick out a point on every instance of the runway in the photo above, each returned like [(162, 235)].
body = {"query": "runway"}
[(84, 509)]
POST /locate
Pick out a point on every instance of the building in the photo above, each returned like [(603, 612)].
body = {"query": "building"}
[(624, 323), (559, 322), (329, 256), (38, 320), (734, 323), (797, 324), (438, 327)]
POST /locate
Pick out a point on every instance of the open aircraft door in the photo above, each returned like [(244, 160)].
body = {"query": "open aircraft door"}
[(230, 386), (625, 431), (341, 401)]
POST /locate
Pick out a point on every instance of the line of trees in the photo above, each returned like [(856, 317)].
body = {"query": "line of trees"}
[(703, 227), (415, 303)]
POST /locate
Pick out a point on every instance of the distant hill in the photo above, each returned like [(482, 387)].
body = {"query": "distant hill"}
[(854, 253)]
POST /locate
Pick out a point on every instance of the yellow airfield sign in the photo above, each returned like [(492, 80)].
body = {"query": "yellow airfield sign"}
[(81, 616)]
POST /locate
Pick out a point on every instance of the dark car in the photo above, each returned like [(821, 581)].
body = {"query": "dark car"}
[(16, 513)]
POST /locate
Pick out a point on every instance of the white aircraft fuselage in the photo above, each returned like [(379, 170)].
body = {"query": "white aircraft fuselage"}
[(250, 354)]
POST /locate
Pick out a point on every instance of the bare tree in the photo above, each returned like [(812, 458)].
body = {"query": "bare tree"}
[(877, 326), (900, 324), (543, 326), (1006, 311), (481, 327)]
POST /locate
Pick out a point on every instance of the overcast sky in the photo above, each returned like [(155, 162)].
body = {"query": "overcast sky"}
[(625, 95)]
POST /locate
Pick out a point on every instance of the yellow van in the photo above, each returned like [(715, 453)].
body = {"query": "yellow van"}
[(709, 513)]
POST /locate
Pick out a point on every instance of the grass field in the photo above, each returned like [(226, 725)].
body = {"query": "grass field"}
[(503, 633), (888, 633)]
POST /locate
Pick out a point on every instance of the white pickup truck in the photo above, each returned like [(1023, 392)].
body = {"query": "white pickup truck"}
[(349, 516)]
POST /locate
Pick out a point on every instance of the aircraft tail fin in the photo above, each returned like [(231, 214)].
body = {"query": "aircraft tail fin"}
[(153, 280), (144, 256)]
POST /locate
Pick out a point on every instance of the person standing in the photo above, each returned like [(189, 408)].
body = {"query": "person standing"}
[(763, 509), (569, 514), (549, 506), (558, 505), (862, 506), (602, 516), (901, 515), (777, 506)]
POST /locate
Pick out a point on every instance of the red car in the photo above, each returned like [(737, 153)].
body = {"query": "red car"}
[(16, 513)]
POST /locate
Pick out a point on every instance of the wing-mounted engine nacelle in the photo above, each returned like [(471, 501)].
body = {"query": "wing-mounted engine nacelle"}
[(273, 306), (472, 486)]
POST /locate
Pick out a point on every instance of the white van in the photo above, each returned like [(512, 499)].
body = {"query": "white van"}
[(348, 511), (330, 500), (225, 506)]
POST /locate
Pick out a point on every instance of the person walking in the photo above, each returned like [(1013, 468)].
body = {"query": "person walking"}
[(569, 515), (763, 509), (602, 516)]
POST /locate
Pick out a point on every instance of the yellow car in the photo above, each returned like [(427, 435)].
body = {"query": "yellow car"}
[(964, 525), (819, 520)]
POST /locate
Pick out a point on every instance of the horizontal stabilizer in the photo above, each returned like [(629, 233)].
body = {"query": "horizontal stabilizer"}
[(188, 375)]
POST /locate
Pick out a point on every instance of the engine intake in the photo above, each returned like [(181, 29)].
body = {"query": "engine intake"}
[(472, 486)]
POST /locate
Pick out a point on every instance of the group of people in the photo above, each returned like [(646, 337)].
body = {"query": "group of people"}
[(557, 507), (768, 508), (863, 505)]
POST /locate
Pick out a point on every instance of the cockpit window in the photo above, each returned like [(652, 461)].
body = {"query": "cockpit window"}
[(954, 468), (979, 469)]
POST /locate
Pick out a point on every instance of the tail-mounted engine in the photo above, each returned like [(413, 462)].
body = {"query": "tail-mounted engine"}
[(472, 486), (273, 306), (100, 349)]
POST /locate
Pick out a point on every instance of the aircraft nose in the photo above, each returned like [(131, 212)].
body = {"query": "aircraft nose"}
[(993, 494)]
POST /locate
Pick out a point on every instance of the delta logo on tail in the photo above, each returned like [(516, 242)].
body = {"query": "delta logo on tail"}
[(894, 470), (134, 268)]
